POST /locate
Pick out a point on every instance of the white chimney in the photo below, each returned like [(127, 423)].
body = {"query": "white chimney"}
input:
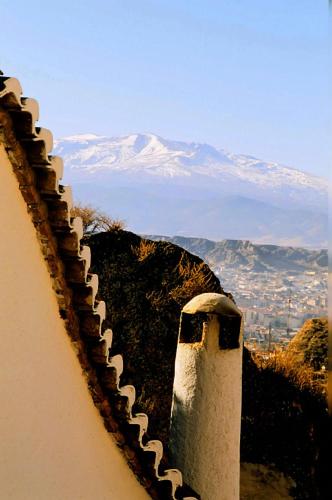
[(206, 412)]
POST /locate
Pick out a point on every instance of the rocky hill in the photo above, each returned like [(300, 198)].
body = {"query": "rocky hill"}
[(145, 285), (241, 254)]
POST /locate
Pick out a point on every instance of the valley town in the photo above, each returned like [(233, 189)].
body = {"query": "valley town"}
[(275, 304)]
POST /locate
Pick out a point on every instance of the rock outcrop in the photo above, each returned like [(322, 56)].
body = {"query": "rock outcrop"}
[(145, 285)]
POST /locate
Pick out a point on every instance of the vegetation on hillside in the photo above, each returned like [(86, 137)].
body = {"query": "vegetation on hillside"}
[(304, 362), (284, 410), (145, 284), (310, 344)]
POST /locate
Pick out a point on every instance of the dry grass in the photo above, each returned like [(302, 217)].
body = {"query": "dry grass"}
[(195, 280), (144, 250), (300, 374), (304, 362)]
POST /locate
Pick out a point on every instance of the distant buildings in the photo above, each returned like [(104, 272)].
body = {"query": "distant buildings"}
[(278, 303)]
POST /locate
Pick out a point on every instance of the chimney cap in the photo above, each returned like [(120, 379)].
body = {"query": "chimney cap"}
[(213, 303)]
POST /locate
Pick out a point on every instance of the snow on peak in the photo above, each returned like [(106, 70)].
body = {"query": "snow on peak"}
[(82, 137), (150, 154)]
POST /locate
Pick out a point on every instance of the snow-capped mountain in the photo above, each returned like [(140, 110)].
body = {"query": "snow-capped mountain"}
[(165, 174), (152, 155)]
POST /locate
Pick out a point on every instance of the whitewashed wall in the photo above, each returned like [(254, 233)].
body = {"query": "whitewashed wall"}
[(206, 418), (53, 444)]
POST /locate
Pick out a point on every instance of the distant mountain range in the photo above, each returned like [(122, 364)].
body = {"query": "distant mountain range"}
[(172, 187), (245, 255)]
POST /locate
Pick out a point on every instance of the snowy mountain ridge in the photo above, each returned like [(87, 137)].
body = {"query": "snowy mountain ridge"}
[(160, 186), (151, 155)]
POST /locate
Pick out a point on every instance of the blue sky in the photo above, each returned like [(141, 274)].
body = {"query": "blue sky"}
[(246, 75)]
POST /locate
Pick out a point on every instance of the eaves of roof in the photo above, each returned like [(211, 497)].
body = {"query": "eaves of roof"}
[(49, 205)]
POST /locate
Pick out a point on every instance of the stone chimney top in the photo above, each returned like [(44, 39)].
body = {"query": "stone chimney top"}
[(212, 303), (197, 311)]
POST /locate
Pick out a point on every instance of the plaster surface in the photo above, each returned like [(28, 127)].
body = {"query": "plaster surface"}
[(206, 415), (53, 443)]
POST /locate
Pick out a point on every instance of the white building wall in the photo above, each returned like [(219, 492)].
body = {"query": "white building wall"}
[(53, 443), (206, 418)]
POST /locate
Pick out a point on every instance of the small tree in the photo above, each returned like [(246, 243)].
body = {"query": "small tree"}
[(94, 220)]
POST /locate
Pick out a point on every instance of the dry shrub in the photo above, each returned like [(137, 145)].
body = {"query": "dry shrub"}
[(304, 361), (300, 374), (157, 299), (94, 220), (311, 343), (145, 249), (195, 280)]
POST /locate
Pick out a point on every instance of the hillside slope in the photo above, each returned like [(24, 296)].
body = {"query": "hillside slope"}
[(250, 256), (145, 284)]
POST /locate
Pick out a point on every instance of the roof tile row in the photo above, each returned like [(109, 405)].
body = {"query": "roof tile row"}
[(50, 204)]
